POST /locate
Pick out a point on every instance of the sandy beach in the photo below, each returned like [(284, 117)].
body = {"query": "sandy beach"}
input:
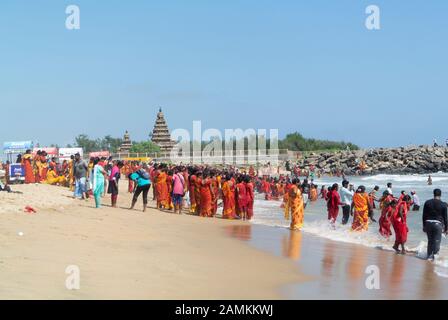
[(123, 254), (127, 255)]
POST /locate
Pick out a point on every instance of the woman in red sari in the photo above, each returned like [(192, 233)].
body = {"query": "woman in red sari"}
[(206, 196), (242, 198), (228, 194), (27, 164), (334, 201), (388, 207), (399, 222), (250, 197)]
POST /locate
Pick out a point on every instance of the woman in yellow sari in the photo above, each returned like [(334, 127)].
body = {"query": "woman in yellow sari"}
[(296, 206), (53, 179), (361, 208)]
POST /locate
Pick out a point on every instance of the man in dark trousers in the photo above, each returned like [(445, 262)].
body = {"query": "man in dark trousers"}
[(435, 222)]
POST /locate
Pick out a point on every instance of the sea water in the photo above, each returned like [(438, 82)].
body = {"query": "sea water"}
[(270, 213)]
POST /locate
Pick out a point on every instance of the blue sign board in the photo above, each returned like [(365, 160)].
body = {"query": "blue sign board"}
[(17, 147), (16, 172)]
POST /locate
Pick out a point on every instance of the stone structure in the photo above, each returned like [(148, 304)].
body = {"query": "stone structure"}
[(161, 134), (127, 143), (404, 160)]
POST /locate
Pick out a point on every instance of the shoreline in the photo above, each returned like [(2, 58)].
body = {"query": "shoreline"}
[(126, 254)]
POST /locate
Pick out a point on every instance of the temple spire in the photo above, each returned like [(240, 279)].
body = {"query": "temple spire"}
[(161, 134), (127, 143)]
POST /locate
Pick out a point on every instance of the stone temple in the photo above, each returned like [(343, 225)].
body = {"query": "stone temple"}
[(127, 143), (161, 134)]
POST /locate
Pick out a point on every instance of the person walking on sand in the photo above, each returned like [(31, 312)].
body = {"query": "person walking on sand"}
[(346, 199), (80, 172), (179, 190), (142, 182), (114, 179), (434, 223), (99, 176)]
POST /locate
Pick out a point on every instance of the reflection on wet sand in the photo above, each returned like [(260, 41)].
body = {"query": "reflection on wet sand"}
[(292, 245), (430, 284), (337, 270), (241, 232)]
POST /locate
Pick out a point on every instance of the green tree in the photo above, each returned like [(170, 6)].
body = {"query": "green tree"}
[(88, 145), (296, 142), (144, 147)]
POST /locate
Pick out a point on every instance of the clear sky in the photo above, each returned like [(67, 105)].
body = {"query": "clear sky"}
[(307, 66)]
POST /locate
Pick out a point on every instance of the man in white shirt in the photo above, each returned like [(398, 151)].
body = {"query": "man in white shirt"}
[(416, 201), (389, 189), (346, 199)]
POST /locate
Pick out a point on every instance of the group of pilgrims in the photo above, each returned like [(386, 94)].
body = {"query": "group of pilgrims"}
[(201, 190), (356, 203)]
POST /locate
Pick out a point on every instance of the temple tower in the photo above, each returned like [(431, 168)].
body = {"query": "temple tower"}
[(161, 134), (127, 143)]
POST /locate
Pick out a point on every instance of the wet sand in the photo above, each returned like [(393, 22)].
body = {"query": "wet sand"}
[(337, 270)]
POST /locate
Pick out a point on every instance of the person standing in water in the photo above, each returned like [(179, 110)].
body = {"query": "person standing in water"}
[(416, 201), (296, 205), (429, 180), (346, 199), (399, 222), (434, 223), (389, 189)]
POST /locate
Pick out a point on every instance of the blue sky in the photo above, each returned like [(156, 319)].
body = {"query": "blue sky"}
[(307, 66)]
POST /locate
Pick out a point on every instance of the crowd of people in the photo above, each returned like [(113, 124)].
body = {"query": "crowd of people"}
[(201, 190), (359, 205)]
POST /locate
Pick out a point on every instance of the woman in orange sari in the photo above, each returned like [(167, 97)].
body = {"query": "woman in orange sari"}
[(43, 166), (162, 190), (206, 196), (313, 193), (296, 206), (27, 163), (361, 207), (197, 192), (215, 188), (228, 194)]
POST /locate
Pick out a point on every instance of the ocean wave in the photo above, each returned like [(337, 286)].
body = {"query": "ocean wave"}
[(438, 177)]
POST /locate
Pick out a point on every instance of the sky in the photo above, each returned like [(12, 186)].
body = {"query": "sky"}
[(306, 66)]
